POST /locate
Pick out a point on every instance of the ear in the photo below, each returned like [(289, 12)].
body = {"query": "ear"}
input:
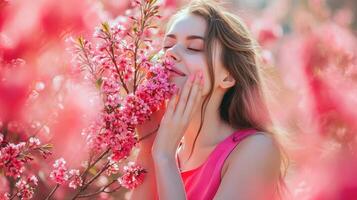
[(227, 81)]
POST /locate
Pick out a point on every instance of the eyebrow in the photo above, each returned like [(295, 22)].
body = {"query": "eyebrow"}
[(190, 37)]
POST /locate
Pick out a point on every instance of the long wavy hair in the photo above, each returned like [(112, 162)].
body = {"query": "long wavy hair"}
[(243, 105)]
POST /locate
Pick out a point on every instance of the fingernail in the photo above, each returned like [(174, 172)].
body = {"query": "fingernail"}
[(192, 78), (200, 74)]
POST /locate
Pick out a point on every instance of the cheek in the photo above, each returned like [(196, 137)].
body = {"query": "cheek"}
[(201, 64), (179, 81), (206, 83), (193, 63)]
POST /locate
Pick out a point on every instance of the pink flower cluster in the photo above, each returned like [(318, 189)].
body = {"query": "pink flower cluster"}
[(132, 84), (13, 157), (115, 129), (112, 169), (76, 180), (133, 176), (11, 160), (324, 75), (25, 188), (60, 174)]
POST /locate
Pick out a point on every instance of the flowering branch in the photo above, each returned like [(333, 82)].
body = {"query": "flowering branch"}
[(119, 60), (86, 185), (52, 192), (101, 190), (148, 11), (14, 157), (83, 175)]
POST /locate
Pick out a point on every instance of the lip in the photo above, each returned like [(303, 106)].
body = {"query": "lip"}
[(177, 71)]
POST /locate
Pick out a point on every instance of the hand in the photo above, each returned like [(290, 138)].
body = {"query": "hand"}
[(177, 116), (147, 131)]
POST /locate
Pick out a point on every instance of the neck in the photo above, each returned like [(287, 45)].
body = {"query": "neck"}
[(213, 131)]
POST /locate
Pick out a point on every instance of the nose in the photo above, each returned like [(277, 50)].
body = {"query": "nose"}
[(173, 54)]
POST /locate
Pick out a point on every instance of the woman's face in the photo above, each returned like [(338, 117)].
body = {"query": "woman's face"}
[(184, 43)]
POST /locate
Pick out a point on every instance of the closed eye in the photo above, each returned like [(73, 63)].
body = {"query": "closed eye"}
[(192, 49)]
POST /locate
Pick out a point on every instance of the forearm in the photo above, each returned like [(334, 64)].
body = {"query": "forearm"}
[(169, 182), (147, 190)]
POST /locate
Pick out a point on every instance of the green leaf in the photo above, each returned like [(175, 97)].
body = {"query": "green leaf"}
[(80, 41), (106, 27), (93, 171), (47, 146), (99, 82)]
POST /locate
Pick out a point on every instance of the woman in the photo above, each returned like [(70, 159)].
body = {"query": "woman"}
[(212, 141)]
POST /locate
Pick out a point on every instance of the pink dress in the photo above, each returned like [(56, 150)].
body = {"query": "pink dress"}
[(202, 182)]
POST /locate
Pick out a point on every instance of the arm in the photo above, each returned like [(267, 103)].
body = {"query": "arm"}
[(256, 166), (169, 182), (172, 128), (148, 189)]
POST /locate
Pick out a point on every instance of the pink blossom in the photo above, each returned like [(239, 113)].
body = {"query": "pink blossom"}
[(13, 91), (33, 180), (112, 169), (76, 180), (266, 31), (133, 176), (5, 196), (13, 158), (26, 187), (59, 174), (11, 161), (33, 142)]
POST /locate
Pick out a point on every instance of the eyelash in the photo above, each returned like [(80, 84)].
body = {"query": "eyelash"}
[(191, 49), (197, 50)]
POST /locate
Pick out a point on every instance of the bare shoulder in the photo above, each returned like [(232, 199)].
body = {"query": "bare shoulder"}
[(256, 152), (255, 161), (259, 141)]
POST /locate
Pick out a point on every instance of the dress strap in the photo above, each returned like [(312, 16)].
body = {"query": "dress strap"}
[(176, 156), (229, 145), (224, 147)]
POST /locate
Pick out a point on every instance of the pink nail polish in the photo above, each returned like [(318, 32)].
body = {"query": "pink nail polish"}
[(202, 82), (192, 78), (200, 74)]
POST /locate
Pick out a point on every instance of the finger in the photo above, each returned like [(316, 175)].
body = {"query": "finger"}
[(193, 97), (171, 104), (184, 95), (198, 99)]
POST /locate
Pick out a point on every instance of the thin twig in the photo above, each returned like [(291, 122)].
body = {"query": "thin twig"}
[(95, 162), (86, 185), (112, 56), (52, 192), (148, 135), (113, 190), (97, 192), (14, 195)]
